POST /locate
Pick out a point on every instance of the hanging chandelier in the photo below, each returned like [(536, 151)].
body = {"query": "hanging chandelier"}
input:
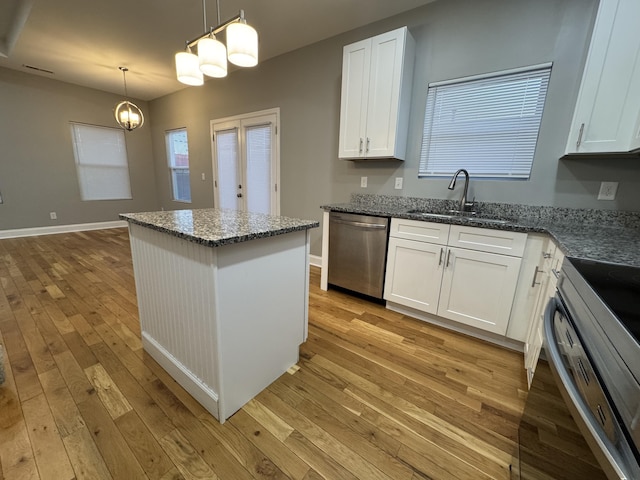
[(212, 54), (128, 114)]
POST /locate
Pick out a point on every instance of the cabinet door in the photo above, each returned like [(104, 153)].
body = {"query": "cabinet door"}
[(608, 105), (356, 62), (534, 340), (414, 274), (478, 288), (545, 283), (387, 55)]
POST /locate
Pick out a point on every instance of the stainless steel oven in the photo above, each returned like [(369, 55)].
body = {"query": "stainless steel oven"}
[(592, 332)]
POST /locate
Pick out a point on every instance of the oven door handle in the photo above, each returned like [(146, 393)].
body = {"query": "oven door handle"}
[(554, 357)]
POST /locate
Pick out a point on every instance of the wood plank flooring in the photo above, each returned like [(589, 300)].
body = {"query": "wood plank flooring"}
[(377, 395)]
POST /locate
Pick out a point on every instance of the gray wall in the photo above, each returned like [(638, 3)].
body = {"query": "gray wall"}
[(454, 38), (37, 165)]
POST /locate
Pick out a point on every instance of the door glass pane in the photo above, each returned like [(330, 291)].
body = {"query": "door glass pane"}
[(258, 146), (227, 155)]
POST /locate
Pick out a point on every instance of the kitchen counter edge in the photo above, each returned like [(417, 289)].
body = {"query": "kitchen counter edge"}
[(217, 227)]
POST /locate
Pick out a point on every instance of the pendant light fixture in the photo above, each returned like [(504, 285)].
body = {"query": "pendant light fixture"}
[(128, 114), (211, 60)]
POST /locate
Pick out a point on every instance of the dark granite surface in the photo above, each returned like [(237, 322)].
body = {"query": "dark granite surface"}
[(214, 228), (603, 235)]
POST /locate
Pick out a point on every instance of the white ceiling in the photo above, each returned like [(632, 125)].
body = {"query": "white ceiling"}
[(84, 41)]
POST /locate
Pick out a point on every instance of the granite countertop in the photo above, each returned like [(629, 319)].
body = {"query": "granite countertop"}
[(602, 235), (213, 227)]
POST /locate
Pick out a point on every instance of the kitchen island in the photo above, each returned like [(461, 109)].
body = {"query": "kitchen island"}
[(222, 298)]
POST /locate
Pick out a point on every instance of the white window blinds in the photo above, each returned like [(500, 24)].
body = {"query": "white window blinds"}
[(487, 124), (227, 166), (101, 162), (259, 153)]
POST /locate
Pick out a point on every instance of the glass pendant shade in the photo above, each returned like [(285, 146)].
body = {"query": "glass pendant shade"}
[(128, 115), (212, 55), (188, 69), (242, 45)]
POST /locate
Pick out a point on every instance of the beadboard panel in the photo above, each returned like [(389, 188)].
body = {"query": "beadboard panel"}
[(170, 273)]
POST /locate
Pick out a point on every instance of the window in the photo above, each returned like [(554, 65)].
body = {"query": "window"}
[(178, 155), (101, 162), (486, 124)]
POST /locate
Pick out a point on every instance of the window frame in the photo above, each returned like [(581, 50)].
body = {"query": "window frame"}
[(174, 169), (508, 139)]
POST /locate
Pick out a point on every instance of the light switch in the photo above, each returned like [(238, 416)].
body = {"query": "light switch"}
[(363, 182), (203, 176)]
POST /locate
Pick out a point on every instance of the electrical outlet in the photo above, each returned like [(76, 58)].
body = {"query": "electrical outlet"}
[(53, 215), (398, 184), (363, 182), (203, 176), (608, 190)]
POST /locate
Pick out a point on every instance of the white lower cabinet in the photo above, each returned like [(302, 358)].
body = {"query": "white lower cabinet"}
[(478, 288), (472, 286), (414, 274), (545, 280)]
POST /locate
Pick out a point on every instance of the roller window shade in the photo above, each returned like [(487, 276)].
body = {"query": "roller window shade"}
[(488, 125), (101, 162)]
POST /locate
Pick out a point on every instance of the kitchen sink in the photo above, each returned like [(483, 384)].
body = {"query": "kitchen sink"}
[(456, 214)]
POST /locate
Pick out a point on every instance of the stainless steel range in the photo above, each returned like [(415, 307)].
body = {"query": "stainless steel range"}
[(592, 330)]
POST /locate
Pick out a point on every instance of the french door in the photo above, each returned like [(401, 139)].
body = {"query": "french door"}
[(246, 162)]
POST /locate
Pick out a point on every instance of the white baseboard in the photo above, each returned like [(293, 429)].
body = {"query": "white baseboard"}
[(79, 227), (315, 260), (181, 374)]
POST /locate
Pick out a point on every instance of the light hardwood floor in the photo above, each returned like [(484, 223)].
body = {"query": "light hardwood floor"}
[(377, 395)]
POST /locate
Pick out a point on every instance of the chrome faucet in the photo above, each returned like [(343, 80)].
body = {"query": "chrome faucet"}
[(464, 205)]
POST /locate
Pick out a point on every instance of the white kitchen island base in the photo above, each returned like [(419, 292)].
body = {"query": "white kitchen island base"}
[(224, 321)]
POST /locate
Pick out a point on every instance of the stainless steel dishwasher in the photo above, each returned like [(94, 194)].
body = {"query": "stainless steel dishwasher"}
[(358, 252)]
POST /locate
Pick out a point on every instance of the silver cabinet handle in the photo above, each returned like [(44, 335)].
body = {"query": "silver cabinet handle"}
[(441, 253), (580, 136), (360, 149), (535, 276), (448, 258)]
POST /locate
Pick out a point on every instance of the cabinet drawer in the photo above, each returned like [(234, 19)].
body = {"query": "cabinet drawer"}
[(486, 240), (437, 233)]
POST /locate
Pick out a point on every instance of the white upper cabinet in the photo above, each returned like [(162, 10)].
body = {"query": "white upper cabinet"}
[(377, 74), (607, 113)]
